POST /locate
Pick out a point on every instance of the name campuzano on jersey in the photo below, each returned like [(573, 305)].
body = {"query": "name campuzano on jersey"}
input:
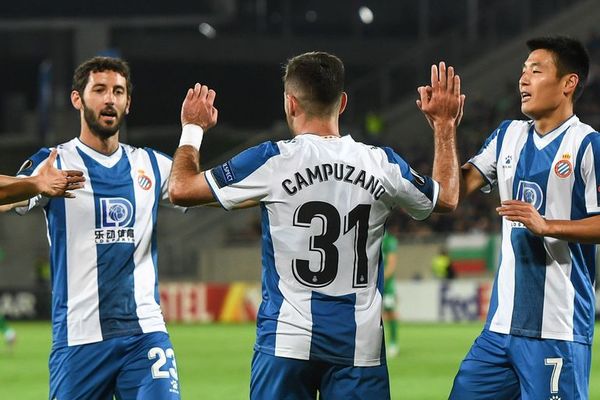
[(338, 171)]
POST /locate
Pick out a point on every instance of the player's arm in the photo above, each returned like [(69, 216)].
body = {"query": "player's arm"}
[(49, 181), (391, 260), (187, 183), (11, 206), (586, 230), (442, 103), (471, 180)]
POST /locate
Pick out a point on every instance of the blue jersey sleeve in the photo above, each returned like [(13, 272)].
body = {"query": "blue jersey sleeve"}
[(589, 159), (33, 162), (29, 168), (415, 193)]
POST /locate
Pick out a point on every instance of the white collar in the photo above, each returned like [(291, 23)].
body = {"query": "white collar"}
[(542, 141), (106, 160)]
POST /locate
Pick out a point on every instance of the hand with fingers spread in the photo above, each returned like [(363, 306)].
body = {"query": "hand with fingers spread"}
[(198, 107), (525, 213), (442, 102), (442, 105), (53, 182)]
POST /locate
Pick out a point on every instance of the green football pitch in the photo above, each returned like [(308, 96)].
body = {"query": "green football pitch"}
[(214, 361)]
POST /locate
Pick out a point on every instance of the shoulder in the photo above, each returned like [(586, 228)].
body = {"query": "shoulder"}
[(513, 126), (33, 161), (584, 131), (261, 152), (388, 156), (154, 154)]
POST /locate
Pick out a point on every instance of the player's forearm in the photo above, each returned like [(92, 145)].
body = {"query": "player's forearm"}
[(445, 166), (19, 190), (7, 180), (585, 230), (184, 173), (471, 181)]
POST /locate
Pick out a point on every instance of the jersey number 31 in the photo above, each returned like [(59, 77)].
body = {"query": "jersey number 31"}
[(357, 220)]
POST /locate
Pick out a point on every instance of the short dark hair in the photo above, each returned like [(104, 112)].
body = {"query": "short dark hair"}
[(570, 57), (99, 64), (317, 78)]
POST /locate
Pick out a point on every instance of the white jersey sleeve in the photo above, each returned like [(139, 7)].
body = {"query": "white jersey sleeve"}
[(486, 160), (245, 177)]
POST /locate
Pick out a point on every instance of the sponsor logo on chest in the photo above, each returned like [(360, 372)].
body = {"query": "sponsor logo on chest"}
[(116, 221)]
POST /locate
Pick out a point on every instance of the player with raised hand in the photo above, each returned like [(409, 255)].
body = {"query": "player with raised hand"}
[(536, 343), (324, 201), (109, 337)]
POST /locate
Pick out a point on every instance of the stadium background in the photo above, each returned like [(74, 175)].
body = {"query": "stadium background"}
[(209, 259)]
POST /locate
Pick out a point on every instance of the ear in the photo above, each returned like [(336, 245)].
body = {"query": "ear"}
[(292, 104), (128, 105), (343, 102), (571, 82), (76, 100)]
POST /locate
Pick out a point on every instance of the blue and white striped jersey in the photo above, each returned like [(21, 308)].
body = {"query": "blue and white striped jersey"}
[(324, 203), (103, 250), (544, 287)]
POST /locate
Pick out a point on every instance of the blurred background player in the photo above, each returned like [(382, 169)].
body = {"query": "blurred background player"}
[(108, 333), (389, 249), (10, 336), (537, 339), (324, 201), (441, 264)]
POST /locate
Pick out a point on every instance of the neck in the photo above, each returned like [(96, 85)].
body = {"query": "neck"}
[(317, 126), (547, 124), (106, 146)]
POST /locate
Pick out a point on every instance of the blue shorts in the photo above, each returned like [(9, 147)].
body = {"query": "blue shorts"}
[(287, 378), (500, 367), (129, 367)]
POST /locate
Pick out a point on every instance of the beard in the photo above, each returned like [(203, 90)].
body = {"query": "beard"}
[(93, 122)]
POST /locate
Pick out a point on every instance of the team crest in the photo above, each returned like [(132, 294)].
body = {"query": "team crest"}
[(564, 168), (143, 180)]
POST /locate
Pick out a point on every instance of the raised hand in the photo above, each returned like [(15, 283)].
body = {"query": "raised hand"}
[(53, 182), (442, 102), (198, 107), (525, 213)]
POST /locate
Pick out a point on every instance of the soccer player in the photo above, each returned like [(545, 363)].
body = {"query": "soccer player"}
[(536, 343), (389, 252), (50, 182), (10, 336), (109, 336), (324, 200)]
